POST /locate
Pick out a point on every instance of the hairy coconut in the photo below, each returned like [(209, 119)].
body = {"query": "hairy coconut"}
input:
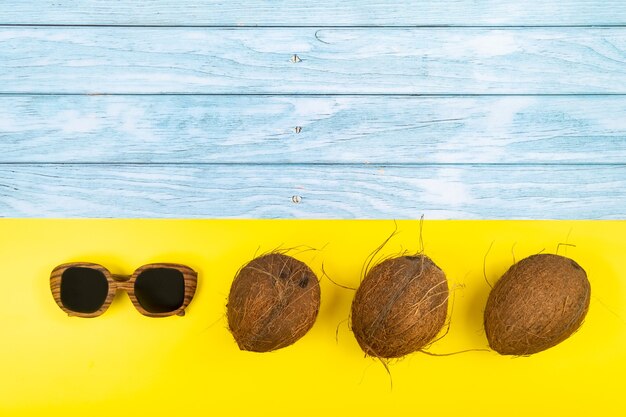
[(539, 302), (400, 306), (273, 302)]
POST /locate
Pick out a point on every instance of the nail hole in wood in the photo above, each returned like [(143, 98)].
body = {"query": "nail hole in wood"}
[(296, 199)]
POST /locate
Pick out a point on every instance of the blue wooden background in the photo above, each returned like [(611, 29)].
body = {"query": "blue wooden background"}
[(313, 109)]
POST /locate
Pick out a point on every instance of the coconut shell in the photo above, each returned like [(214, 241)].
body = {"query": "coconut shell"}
[(273, 302), (400, 306), (538, 303)]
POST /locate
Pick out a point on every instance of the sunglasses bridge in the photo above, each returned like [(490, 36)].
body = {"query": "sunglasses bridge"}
[(121, 277)]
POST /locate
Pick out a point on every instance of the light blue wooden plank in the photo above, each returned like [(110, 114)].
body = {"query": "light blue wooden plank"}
[(345, 129), (318, 12), (331, 191), (386, 61)]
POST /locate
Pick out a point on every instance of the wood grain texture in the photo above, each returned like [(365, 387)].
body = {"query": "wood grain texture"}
[(326, 191), (334, 129), (125, 283), (56, 279), (315, 13), (333, 61)]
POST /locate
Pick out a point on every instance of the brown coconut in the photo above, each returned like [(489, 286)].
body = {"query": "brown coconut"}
[(539, 302), (273, 302), (400, 306)]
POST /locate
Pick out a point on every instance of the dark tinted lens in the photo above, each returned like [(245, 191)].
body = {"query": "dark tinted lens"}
[(160, 290), (83, 290)]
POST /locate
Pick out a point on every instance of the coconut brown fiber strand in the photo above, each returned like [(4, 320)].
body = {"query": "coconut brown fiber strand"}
[(400, 306), (539, 302), (273, 302)]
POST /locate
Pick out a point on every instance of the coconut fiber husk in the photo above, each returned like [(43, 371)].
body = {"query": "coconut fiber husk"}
[(400, 306), (539, 302), (273, 302)]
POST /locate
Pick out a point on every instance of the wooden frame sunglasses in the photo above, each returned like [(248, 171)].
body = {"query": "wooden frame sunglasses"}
[(86, 289)]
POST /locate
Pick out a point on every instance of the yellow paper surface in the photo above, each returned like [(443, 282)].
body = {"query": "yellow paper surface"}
[(122, 362)]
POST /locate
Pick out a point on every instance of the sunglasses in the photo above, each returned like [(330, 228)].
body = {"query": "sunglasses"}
[(86, 289)]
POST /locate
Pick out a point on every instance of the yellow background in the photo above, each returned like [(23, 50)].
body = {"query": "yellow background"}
[(122, 362)]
